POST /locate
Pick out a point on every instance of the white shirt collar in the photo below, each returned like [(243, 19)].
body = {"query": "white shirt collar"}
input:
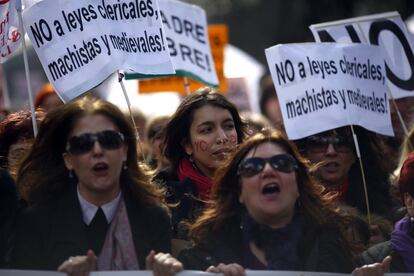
[(89, 210)]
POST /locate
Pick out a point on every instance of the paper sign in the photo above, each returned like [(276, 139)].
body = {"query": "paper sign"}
[(10, 29), (10, 272), (80, 43), (187, 38), (218, 37), (386, 30), (322, 86)]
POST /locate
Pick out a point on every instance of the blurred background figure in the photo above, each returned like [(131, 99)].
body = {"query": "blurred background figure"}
[(269, 103), (154, 131), (255, 122), (339, 171), (140, 121), (46, 98), (16, 138), (401, 244)]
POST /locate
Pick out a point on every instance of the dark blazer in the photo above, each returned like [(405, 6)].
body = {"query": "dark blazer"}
[(320, 249), (50, 233)]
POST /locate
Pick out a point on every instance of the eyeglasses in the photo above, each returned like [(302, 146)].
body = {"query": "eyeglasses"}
[(254, 165), (108, 139), (320, 144)]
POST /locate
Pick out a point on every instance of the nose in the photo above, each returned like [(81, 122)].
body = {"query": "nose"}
[(330, 150), (97, 148), (222, 136), (268, 169)]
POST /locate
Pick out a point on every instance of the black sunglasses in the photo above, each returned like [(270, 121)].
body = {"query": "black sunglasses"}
[(108, 139), (254, 165), (320, 144)]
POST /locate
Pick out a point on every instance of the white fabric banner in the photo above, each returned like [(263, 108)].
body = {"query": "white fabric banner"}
[(322, 86), (183, 273), (386, 30), (80, 43), (10, 29), (188, 42)]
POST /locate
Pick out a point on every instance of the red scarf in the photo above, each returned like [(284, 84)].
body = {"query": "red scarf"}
[(341, 191), (202, 182)]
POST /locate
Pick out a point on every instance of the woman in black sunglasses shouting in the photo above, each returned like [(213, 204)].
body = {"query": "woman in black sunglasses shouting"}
[(267, 213), (93, 207)]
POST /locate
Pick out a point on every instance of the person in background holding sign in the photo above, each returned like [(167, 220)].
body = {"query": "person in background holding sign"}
[(90, 197), (267, 213), (339, 170), (202, 132), (269, 103), (47, 99)]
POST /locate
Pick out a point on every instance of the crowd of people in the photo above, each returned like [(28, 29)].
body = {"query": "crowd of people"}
[(207, 188)]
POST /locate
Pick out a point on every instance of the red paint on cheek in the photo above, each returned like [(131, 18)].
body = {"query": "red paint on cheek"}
[(233, 139), (200, 145)]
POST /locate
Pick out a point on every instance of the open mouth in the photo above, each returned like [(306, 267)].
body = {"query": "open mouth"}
[(100, 167), (271, 188), (331, 166)]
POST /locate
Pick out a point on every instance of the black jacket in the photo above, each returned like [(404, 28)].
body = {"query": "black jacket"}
[(378, 252), (182, 195), (50, 233), (9, 210), (320, 249)]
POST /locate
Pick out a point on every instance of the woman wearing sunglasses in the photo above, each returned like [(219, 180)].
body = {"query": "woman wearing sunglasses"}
[(340, 172), (202, 132), (93, 206), (267, 213)]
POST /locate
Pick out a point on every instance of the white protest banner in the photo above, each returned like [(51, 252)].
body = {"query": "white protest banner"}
[(80, 43), (11, 272), (187, 37), (386, 30), (149, 273), (10, 29), (322, 86)]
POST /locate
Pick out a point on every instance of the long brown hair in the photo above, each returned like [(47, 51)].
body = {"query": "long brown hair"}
[(177, 131), (225, 206), (43, 175)]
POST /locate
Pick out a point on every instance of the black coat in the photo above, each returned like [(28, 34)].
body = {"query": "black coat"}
[(9, 210), (320, 249), (378, 252), (50, 233), (183, 196)]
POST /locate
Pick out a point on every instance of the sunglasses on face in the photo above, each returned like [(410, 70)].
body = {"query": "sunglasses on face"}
[(320, 144), (254, 165), (108, 139)]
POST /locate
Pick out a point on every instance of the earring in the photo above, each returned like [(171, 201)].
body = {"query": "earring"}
[(70, 174), (298, 203), (124, 165)]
